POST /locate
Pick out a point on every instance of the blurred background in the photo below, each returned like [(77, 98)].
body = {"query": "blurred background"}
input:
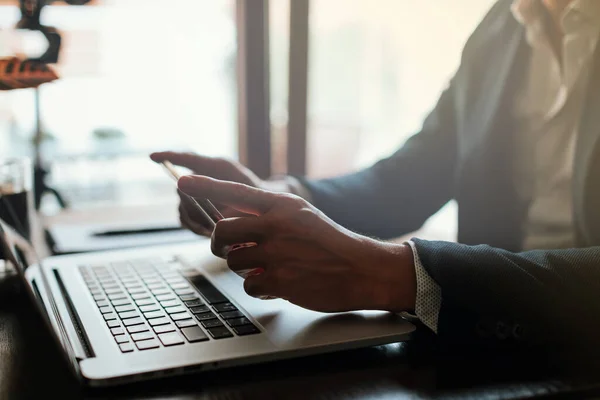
[(143, 75)]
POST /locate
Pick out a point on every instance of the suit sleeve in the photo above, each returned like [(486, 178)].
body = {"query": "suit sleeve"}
[(494, 297)]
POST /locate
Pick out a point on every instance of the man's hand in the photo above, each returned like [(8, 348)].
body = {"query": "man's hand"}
[(217, 168), (303, 256)]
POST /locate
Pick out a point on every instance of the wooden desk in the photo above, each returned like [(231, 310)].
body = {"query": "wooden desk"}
[(31, 367)]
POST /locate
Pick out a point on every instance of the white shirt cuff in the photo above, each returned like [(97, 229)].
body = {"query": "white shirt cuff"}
[(429, 294)]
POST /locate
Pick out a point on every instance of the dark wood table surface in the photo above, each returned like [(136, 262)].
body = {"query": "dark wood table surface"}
[(31, 367)]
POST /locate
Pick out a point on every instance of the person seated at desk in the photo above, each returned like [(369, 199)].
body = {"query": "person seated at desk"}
[(515, 139)]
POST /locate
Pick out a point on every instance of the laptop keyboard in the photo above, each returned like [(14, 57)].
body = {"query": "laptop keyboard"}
[(148, 305)]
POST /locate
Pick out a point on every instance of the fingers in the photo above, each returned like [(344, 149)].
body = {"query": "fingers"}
[(203, 165), (241, 197), (192, 212), (234, 231), (247, 258), (262, 286), (191, 224)]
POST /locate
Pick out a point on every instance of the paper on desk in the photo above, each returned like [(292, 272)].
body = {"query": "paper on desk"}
[(79, 238)]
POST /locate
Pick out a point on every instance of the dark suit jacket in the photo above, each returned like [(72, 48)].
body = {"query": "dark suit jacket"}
[(491, 291)]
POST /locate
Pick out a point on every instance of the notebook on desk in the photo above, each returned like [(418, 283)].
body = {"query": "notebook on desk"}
[(68, 238), (144, 313)]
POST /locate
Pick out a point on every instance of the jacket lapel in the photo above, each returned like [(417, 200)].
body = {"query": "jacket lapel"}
[(586, 188)]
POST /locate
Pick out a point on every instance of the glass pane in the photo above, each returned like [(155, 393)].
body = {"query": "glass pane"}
[(376, 69), (136, 76)]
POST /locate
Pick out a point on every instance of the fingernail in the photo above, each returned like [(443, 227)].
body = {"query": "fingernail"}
[(244, 273), (256, 271)]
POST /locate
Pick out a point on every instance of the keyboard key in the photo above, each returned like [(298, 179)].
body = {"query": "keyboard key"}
[(122, 339), (212, 323), (165, 297), (117, 331), (102, 303), (137, 291), (142, 295), (117, 296), (159, 321), (158, 285), (205, 316), (188, 297), (99, 297), (184, 292), (105, 309), (154, 314), (113, 323), (194, 303), (133, 321), (185, 323), (126, 347), (127, 307), (120, 302), (115, 290), (138, 328), (171, 339), (160, 292), (132, 285), (170, 303), (164, 328), (176, 280), (175, 310), (150, 307), (129, 314), (194, 334), (199, 309), (232, 314), (151, 281), (180, 316), (219, 332), (147, 344), (109, 316), (245, 330), (208, 290), (224, 307), (142, 336), (179, 285), (238, 321), (144, 302)]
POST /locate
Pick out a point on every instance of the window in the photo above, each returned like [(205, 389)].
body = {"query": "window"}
[(136, 76), (375, 70)]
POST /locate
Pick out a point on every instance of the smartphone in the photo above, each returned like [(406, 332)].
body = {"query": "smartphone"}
[(205, 206)]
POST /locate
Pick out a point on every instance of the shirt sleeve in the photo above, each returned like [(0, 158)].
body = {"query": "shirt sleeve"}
[(429, 294)]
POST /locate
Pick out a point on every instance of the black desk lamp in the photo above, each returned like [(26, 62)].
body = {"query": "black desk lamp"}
[(30, 20)]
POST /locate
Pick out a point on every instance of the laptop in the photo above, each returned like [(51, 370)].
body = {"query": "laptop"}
[(136, 314)]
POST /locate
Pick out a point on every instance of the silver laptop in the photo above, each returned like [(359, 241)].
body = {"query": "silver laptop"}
[(138, 314)]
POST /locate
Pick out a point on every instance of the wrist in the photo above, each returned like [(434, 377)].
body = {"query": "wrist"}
[(397, 288)]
